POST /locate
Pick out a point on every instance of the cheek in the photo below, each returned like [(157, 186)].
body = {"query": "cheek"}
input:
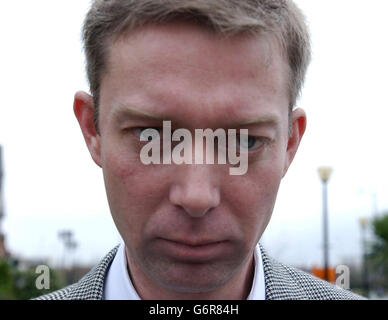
[(125, 173), (133, 189), (253, 197)]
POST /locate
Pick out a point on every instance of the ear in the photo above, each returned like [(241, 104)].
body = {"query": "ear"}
[(298, 123), (84, 112)]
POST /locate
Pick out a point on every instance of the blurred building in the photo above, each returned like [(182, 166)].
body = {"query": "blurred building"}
[(3, 251)]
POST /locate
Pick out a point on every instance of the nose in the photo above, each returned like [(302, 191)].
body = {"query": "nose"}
[(194, 190)]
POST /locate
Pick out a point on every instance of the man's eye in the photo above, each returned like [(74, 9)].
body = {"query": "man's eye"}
[(249, 143), (147, 133)]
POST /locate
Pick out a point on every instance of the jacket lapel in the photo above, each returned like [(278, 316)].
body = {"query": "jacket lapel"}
[(91, 286), (279, 282)]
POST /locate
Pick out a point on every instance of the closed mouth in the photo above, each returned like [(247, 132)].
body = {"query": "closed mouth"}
[(193, 251)]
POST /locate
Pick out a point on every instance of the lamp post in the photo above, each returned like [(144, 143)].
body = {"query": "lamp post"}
[(69, 244), (324, 174), (364, 223)]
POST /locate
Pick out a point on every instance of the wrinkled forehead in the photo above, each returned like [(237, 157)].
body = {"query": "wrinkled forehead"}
[(179, 64), (158, 38)]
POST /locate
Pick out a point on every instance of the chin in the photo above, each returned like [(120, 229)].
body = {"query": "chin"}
[(193, 278)]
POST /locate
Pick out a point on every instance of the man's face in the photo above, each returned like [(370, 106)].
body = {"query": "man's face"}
[(192, 228)]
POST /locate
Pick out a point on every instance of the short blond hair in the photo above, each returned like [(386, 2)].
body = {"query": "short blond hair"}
[(109, 19)]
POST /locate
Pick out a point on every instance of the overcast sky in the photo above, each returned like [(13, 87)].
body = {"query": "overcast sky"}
[(52, 184)]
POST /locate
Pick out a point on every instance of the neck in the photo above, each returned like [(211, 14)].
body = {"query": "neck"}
[(237, 288)]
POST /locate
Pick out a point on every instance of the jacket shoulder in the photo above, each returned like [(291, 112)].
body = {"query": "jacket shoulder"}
[(90, 287), (284, 282)]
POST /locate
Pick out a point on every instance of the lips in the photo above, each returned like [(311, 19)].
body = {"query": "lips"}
[(195, 251), (195, 243)]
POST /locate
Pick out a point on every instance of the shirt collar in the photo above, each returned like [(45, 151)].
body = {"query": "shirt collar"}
[(258, 284), (118, 284)]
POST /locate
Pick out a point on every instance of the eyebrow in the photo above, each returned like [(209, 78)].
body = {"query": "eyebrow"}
[(265, 120), (130, 111)]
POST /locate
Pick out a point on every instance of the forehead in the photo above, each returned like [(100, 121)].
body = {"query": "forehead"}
[(180, 70)]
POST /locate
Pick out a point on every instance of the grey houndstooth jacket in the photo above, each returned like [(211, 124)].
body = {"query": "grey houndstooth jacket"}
[(281, 283)]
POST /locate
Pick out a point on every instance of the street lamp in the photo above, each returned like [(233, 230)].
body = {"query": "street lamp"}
[(324, 174), (69, 243), (364, 223)]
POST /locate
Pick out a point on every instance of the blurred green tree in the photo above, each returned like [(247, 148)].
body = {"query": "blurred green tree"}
[(378, 255), (6, 281), (18, 284)]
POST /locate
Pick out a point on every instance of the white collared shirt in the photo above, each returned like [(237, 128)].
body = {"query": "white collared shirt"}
[(118, 284)]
